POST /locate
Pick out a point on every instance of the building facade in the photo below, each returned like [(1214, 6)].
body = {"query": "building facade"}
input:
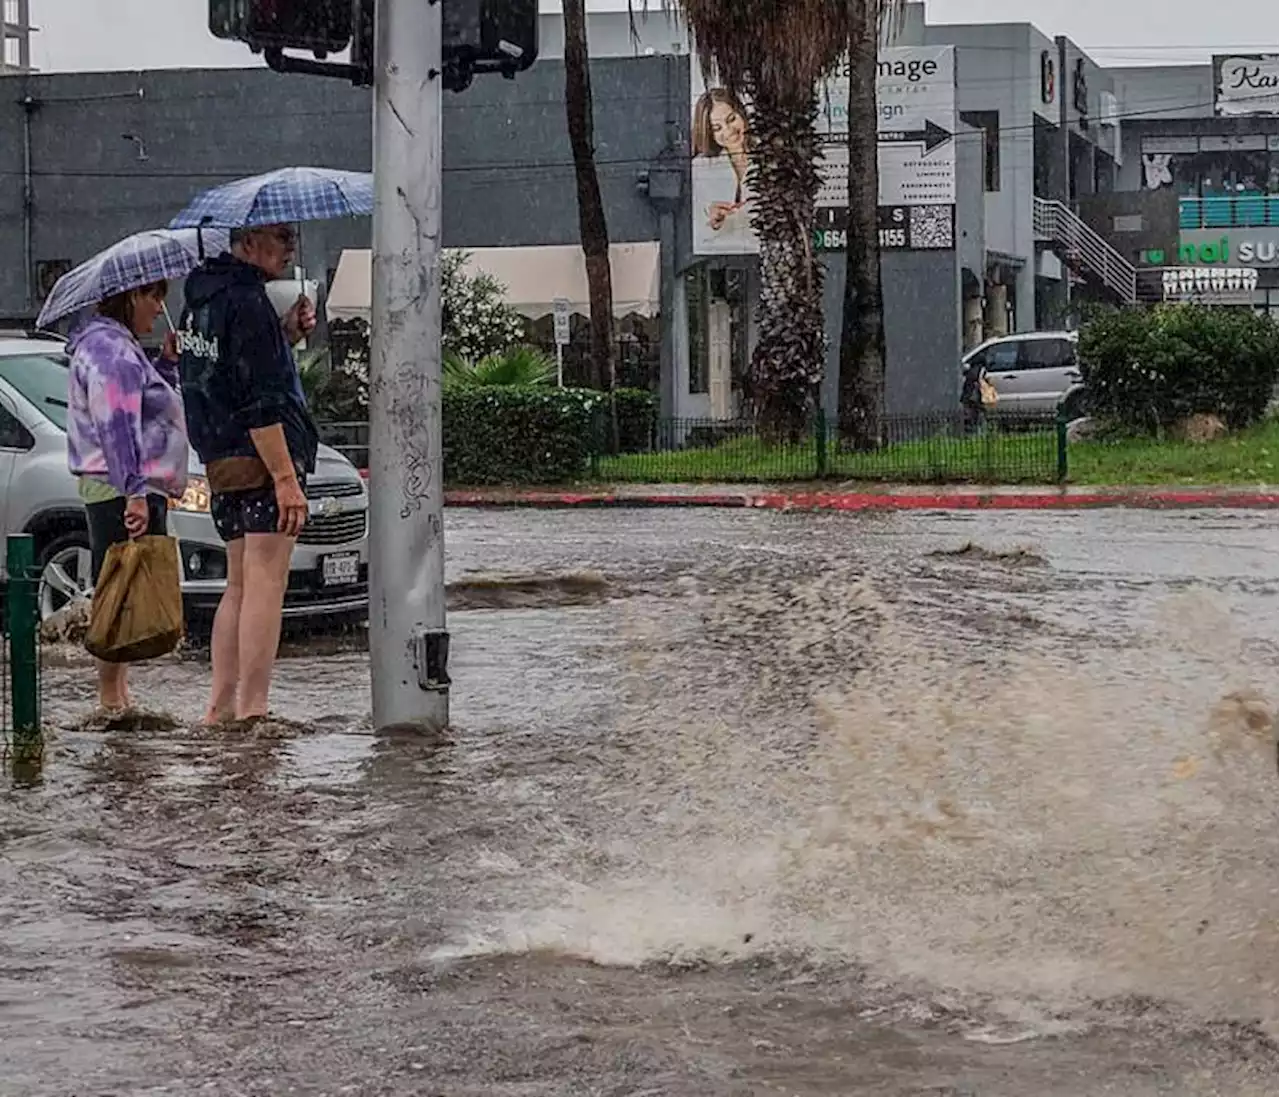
[(1197, 202), (1035, 135), (15, 35)]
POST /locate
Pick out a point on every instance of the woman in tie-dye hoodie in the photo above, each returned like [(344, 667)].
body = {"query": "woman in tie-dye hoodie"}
[(126, 436)]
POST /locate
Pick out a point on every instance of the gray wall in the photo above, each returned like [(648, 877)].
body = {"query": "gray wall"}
[(1153, 92), (508, 168)]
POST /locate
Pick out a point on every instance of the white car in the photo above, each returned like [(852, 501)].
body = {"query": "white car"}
[(1033, 372), (38, 495)]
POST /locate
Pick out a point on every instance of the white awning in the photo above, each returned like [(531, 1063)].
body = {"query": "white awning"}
[(534, 278)]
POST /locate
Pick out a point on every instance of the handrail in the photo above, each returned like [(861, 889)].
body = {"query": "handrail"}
[(1052, 220)]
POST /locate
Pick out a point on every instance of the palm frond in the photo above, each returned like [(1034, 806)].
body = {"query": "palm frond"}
[(781, 44), (518, 366)]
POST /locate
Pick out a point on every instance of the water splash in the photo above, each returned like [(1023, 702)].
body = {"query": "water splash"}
[(812, 768)]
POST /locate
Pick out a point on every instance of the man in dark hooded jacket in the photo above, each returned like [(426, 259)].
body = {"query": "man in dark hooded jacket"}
[(248, 421)]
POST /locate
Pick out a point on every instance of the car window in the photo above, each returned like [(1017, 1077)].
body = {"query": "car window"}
[(1002, 357), (13, 435), (42, 379), (1047, 353)]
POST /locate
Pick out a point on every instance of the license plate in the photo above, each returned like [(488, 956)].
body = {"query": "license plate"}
[(341, 569)]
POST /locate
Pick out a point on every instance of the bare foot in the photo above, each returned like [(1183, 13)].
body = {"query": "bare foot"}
[(217, 719)]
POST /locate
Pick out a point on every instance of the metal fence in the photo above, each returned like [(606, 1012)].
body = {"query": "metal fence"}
[(940, 448), (914, 448)]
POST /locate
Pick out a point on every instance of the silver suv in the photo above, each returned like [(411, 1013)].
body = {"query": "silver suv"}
[(329, 579), (1033, 372)]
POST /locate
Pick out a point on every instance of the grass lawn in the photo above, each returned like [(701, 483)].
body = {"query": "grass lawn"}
[(993, 458), (1249, 457)]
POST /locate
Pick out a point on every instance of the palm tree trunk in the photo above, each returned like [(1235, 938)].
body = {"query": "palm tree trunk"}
[(591, 219), (862, 322), (787, 364)]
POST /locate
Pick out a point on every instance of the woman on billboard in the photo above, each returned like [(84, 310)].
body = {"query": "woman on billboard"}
[(721, 141)]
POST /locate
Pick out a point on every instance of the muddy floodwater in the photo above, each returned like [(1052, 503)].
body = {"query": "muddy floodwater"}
[(735, 804)]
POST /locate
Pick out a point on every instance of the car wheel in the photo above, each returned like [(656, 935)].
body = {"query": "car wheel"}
[(65, 572)]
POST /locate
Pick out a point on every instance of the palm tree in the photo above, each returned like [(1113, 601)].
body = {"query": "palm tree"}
[(776, 52), (591, 219), (862, 317)]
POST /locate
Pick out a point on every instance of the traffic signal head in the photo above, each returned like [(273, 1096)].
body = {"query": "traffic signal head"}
[(321, 26)]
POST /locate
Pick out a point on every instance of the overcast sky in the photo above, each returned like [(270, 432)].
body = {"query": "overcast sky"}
[(141, 34)]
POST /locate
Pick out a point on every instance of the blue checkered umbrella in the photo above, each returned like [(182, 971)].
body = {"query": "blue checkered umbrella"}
[(285, 196), (137, 260)]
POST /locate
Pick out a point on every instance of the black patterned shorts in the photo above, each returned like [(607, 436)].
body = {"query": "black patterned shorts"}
[(236, 513)]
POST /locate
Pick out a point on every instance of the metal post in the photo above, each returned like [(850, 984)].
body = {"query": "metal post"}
[(1060, 433), (23, 627), (820, 442), (408, 643)]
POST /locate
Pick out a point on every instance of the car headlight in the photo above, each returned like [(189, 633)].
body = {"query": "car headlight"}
[(195, 498)]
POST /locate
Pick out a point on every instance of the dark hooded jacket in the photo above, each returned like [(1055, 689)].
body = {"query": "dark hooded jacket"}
[(238, 371)]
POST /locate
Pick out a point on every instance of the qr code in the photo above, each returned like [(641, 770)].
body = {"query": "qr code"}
[(931, 227)]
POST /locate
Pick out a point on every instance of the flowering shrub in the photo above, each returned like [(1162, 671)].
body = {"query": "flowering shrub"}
[(477, 321), (1146, 369)]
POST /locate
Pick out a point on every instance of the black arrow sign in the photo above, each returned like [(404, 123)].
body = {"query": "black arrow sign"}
[(931, 136)]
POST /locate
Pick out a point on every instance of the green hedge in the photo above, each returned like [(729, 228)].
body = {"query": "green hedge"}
[(1145, 369), (509, 434), (637, 420)]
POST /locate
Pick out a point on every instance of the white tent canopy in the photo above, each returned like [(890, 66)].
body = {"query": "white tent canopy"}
[(534, 278)]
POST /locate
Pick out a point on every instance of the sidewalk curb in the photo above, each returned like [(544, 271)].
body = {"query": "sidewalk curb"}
[(1151, 499)]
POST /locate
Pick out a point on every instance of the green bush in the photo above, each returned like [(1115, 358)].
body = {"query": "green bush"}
[(504, 434), (1145, 369), (637, 419)]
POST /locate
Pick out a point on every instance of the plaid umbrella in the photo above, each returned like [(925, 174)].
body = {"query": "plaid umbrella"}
[(285, 196), (137, 260)]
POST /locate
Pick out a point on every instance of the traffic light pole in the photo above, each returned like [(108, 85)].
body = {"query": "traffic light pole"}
[(408, 642)]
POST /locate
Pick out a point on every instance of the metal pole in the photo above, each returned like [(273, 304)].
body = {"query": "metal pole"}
[(560, 364), (407, 639)]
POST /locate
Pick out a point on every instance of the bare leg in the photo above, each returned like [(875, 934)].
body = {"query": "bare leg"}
[(266, 575), (224, 648), (113, 686)]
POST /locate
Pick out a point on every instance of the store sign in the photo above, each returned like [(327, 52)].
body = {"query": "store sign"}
[(1228, 247), (1080, 93), (902, 228), (916, 100), (1246, 84), (1210, 285), (1048, 77)]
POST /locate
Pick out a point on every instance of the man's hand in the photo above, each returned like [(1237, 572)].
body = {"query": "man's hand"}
[(292, 504), (300, 320), (137, 517)]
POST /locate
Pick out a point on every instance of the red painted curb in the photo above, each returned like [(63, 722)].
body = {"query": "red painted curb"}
[(850, 501), (855, 501)]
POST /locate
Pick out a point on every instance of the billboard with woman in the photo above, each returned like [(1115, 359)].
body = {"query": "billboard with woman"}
[(720, 136)]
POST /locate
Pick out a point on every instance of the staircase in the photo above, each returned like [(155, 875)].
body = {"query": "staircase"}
[(1082, 249)]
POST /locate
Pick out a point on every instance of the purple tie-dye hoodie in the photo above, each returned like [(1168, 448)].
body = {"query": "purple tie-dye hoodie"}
[(125, 423)]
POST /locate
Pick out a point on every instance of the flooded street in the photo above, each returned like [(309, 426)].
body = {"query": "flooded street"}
[(735, 804)]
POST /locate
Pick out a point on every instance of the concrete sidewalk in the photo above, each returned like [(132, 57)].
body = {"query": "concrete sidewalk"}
[(862, 496)]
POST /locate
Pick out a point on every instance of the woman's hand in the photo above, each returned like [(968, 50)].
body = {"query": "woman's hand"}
[(137, 517), (169, 348), (717, 212)]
